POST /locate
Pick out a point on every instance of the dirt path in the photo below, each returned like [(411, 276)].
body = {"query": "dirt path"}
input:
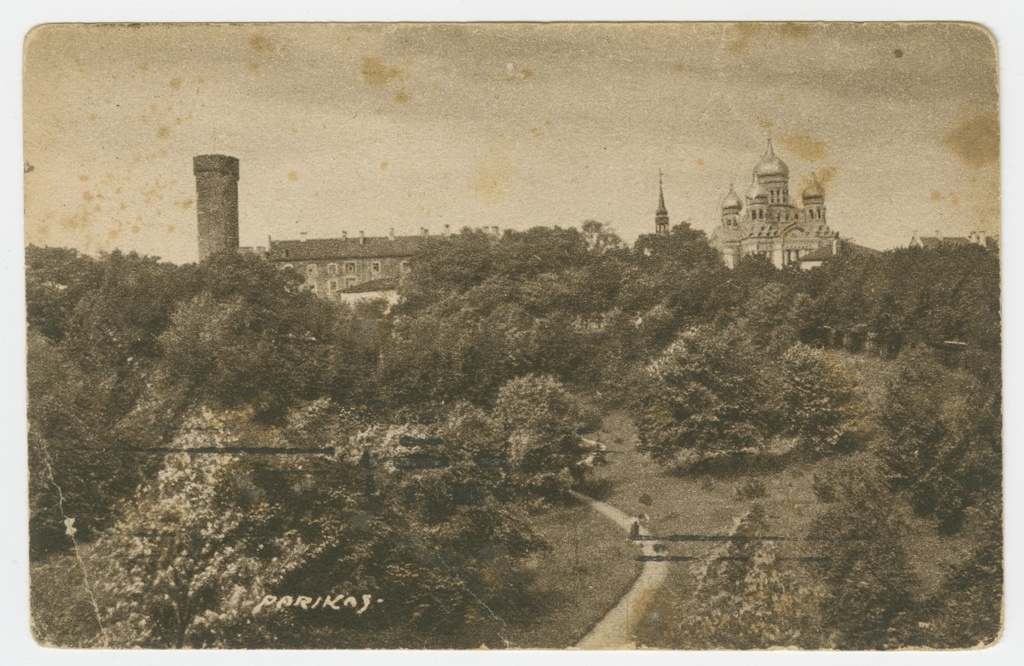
[(614, 630)]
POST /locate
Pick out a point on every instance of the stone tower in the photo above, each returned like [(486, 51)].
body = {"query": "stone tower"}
[(216, 203), (661, 216)]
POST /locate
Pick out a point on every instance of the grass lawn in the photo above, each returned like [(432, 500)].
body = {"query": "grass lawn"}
[(708, 504), (591, 566)]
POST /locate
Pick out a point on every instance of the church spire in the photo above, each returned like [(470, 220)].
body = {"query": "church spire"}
[(661, 216)]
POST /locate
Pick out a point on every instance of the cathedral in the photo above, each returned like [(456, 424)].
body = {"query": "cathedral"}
[(766, 223)]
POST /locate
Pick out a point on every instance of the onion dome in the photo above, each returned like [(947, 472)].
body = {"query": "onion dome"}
[(732, 200), (770, 165), (757, 193), (813, 193)]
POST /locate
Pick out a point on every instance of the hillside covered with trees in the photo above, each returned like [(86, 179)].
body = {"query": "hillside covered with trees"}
[(205, 437)]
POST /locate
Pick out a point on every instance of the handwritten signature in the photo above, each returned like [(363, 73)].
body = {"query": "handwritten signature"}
[(340, 602)]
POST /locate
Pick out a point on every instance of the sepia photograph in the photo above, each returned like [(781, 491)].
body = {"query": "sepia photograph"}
[(515, 336)]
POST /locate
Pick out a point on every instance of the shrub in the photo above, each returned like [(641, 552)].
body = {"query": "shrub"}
[(751, 489)]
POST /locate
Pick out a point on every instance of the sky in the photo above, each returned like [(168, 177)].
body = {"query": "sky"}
[(372, 127)]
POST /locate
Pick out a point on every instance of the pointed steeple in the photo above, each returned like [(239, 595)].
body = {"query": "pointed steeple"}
[(661, 195), (661, 216)]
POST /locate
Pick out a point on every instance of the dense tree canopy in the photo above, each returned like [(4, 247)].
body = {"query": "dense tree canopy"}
[(429, 431)]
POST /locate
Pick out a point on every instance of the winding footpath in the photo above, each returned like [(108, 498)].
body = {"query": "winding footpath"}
[(614, 630)]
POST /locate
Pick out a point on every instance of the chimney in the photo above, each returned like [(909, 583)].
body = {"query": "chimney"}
[(495, 230), (362, 238), (216, 203), (391, 234), (447, 230), (344, 235), (938, 234), (424, 231), (835, 246), (302, 236)]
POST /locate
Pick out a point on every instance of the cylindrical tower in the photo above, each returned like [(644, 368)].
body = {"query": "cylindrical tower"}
[(216, 203)]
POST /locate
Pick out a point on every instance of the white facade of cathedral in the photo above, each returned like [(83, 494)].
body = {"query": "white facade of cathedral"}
[(765, 222)]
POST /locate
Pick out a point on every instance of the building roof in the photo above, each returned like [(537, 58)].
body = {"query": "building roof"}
[(382, 284), (932, 242), (846, 247), (821, 254), (345, 248)]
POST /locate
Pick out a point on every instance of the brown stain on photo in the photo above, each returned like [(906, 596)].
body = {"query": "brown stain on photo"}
[(377, 74), (293, 176), (793, 30), (260, 43), (494, 174), (402, 97), (384, 165), (175, 84), (825, 176), (936, 195), (742, 34), (804, 146), (975, 139), (163, 132)]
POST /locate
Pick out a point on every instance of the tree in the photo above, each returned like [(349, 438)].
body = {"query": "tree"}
[(705, 396), (817, 399), (77, 468), (943, 438), (870, 588), (967, 609), (748, 599), (542, 424)]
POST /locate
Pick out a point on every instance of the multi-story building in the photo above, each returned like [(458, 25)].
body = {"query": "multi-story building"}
[(343, 269), (766, 223), (334, 267)]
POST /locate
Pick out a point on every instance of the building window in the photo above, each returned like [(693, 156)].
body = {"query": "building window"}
[(332, 286), (312, 287), (405, 266), (350, 267), (332, 269), (375, 267), (350, 282), (311, 269), (287, 266)]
